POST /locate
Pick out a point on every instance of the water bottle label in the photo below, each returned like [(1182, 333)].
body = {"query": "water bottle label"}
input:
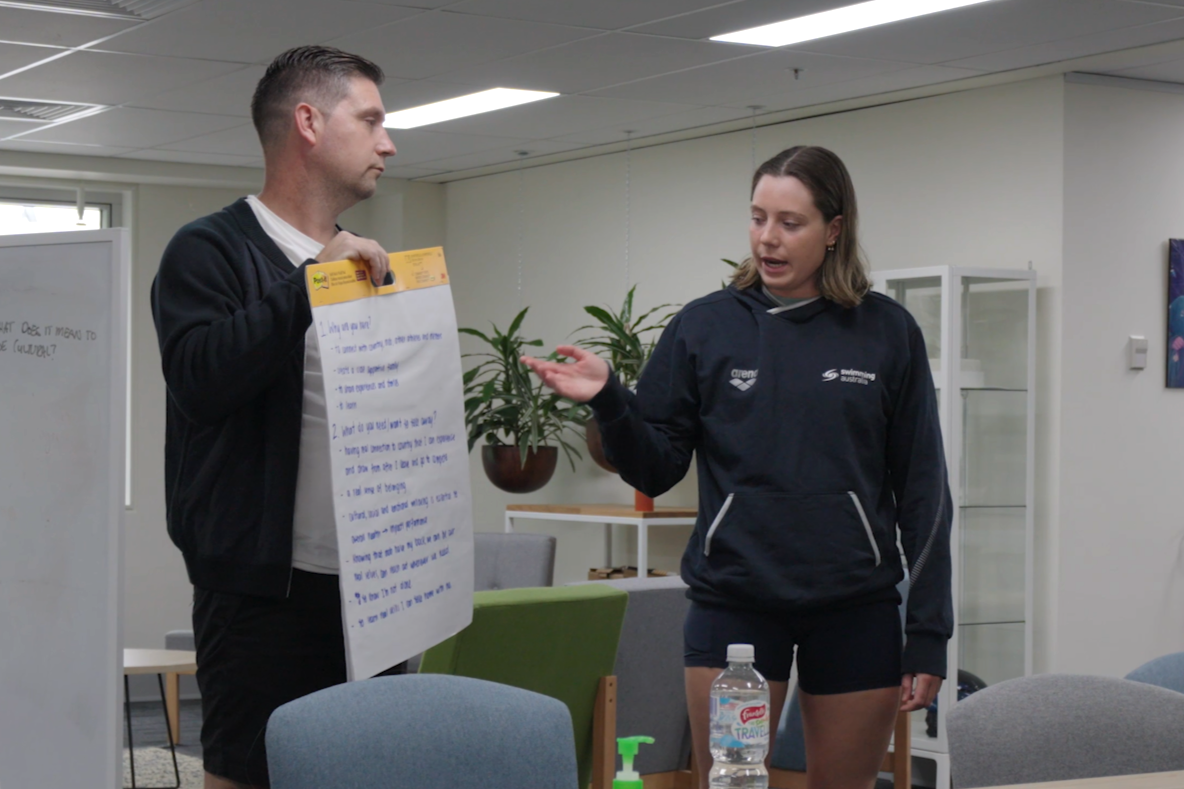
[(739, 724)]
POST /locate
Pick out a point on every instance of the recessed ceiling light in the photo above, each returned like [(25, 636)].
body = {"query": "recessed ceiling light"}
[(462, 106), (840, 20)]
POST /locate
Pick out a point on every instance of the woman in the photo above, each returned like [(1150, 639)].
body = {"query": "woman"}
[(809, 404)]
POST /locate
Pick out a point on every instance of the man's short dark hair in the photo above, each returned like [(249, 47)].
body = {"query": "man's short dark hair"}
[(317, 75)]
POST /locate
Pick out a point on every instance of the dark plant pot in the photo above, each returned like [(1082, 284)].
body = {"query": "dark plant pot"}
[(503, 466), (596, 447)]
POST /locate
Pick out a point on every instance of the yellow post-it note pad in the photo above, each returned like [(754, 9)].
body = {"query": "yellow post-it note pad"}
[(349, 280)]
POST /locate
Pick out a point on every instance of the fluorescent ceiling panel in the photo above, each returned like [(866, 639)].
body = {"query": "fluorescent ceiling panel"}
[(840, 20), (463, 106)]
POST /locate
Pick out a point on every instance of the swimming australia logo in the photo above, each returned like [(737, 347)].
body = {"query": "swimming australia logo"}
[(849, 376), (743, 379)]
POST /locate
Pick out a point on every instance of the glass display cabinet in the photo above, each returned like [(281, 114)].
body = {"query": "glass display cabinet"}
[(980, 331)]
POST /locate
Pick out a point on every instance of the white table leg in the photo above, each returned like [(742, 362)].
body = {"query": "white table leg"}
[(643, 551), (608, 545), (943, 771), (509, 523)]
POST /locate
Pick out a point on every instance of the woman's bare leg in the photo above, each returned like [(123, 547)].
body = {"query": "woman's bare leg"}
[(847, 736), (698, 684)]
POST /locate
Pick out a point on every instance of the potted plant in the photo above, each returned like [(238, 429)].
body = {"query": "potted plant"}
[(628, 342), (522, 423)]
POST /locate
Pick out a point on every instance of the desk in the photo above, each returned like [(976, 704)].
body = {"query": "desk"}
[(609, 515), (172, 663), (1172, 780)]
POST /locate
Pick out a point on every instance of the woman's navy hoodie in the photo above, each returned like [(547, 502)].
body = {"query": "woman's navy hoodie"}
[(817, 437)]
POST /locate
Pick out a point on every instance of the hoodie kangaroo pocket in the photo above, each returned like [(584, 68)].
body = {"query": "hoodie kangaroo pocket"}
[(792, 549)]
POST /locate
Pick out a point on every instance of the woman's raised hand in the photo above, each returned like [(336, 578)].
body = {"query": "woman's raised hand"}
[(580, 380)]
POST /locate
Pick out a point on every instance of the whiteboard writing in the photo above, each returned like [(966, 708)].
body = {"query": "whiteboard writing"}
[(39, 340)]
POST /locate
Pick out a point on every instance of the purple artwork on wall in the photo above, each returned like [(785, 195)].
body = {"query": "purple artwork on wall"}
[(1176, 313)]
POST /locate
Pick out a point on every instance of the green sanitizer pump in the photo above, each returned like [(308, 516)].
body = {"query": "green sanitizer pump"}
[(628, 778)]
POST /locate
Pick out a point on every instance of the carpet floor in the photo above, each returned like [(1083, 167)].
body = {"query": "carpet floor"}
[(154, 763)]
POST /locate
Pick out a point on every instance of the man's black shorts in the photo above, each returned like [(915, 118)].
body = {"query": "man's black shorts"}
[(255, 654), (840, 651)]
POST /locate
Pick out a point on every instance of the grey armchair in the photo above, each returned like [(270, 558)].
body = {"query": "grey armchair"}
[(1059, 727), (651, 691), (1165, 672), (427, 731)]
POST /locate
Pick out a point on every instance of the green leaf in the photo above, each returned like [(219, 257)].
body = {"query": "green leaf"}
[(475, 333), (517, 323)]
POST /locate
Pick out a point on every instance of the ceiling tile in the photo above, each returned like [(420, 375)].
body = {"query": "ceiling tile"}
[(106, 78), (502, 155), (421, 4), (409, 172), (14, 56), (679, 121), (52, 147), (560, 116), (254, 31), (602, 14), (435, 43), (134, 128), (11, 127), (186, 157), (1081, 46), (237, 141), (866, 86), (228, 94), (989, 27), (730, 17), (742, 81), (597, 62), (63, 30), (1171, 71), (416, 146)]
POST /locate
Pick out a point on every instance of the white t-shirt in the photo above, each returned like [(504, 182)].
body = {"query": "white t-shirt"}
[(314, 533)]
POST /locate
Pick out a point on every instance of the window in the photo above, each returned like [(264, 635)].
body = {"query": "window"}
[(49, 217)]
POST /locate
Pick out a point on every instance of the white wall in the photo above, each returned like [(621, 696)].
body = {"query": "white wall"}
[(971, 179), (1121, 587)]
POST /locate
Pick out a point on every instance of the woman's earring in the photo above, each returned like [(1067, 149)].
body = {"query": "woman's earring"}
[(831, 248)]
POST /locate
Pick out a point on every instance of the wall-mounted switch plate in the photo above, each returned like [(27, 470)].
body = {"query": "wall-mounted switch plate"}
[(1137, 352)]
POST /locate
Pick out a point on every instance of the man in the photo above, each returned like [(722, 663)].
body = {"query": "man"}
[(247, 474)]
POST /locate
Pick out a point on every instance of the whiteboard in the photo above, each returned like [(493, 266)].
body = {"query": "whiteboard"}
[(63, 375)]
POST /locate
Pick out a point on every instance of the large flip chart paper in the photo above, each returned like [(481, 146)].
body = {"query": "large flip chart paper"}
[(391, 363), (63, 386)]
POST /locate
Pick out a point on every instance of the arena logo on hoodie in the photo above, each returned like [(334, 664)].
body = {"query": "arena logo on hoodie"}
[(849, 376), (743, 379)]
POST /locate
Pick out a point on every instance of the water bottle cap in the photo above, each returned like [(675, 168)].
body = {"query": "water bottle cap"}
[(741, 653)]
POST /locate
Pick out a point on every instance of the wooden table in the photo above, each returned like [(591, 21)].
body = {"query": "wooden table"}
[(609, 515), (172, 663), (1172, 780)]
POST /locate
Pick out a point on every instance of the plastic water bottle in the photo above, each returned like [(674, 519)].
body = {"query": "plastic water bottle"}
[(739, 724)]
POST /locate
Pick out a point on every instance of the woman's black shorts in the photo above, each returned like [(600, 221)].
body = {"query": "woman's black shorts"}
[(838, 651)]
